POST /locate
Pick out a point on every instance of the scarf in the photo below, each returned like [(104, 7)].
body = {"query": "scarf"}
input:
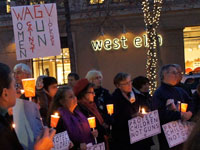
[(91, 106)]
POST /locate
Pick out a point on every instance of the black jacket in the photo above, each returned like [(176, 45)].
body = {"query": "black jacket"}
[(8, 137), (124, 111)]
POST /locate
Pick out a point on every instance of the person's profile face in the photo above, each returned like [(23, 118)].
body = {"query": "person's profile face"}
[(71, 81), (52, 89), (12, 93)]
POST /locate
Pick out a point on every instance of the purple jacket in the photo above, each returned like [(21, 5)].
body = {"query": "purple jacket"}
[(76, 125)]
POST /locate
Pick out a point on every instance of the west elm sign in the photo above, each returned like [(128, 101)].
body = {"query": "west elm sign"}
[(122, 42)]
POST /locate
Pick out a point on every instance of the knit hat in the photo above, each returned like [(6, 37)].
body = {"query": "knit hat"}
[(80, 86)]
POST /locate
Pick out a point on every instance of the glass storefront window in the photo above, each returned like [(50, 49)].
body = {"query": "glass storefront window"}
[(192, 49), (92, 2), (55, 66)]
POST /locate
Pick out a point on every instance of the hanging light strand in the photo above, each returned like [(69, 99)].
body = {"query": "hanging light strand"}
[(151, 20)]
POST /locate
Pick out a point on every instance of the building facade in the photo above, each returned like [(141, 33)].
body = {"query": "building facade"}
[(110, 36)]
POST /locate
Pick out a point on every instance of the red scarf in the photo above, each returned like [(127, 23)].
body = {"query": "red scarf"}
[(91, 106)]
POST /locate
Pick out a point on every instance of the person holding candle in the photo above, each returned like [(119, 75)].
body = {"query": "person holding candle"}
[(84, 90), (102, 95), (21, 71), (71, 119), (8, 138), (166, 97), (126, 106), (141, 89)]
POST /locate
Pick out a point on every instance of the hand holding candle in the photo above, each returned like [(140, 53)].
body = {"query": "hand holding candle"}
[(54, 120), (92, 123), (184, 107), (110, 108)]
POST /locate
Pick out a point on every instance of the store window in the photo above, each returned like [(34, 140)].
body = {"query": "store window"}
[(192, 49), (92, 2), (55, 66)]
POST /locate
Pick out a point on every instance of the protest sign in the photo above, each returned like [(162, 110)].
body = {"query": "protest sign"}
[(177, 132), (100, 146), (36, 31), (141, 128), (28, 124), (61, 141)]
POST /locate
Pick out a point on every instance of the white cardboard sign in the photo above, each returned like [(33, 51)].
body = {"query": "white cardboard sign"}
[(100, 146), (177, 132), (36, 31), (142, 128), (61, 141)]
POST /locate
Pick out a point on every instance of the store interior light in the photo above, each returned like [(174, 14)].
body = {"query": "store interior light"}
[(199, 46), (190, 49)]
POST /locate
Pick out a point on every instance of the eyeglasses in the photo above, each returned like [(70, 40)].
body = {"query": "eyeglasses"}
[(91, 93), (173, 72), (126, 83)]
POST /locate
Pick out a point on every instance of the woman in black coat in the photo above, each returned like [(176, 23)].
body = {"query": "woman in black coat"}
[(126, 107)]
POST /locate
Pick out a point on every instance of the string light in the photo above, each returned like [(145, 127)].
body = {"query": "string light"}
[(151, 20)]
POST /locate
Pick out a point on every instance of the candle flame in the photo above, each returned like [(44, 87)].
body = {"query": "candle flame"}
[(13, 125), (143, 111), (56, 114)]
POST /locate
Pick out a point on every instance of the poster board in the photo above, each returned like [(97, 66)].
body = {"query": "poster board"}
[(142, 128), (36, 31), (177, 132)]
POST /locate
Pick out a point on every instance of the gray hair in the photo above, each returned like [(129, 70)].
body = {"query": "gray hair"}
[(23, 67), (164, 69), (92, 74), (120, 77)]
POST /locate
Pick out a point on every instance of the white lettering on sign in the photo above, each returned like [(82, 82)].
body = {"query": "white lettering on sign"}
[(177, 132), (142, 128), (100, 146), (118, 43)]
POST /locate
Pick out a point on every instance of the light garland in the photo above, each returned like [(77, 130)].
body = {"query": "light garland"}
[(151, 21)]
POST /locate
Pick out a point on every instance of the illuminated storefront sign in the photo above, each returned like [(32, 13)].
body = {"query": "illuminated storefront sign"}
[(122, 42)]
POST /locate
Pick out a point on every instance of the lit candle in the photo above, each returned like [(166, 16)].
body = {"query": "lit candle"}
[(92, 122), (22, 91), (29, 87), (143, 111), (184, 107), (13, 125), (54, 120), (110, 108)]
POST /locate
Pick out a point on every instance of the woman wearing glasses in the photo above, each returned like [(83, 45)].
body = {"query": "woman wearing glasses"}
[(126, 107), (85, 95)]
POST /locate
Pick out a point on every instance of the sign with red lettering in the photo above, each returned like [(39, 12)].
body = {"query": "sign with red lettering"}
[(36, 31), (100, 146), (142, 128), (61, 141), (177, 132)]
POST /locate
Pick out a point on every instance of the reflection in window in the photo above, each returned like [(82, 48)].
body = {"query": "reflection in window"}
[(55, 66), (8, 10), (192, 48), (96, 2)]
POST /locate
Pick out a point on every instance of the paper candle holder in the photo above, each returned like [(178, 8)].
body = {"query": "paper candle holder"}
[(54, 120), (92, 122), (184, 107), (110, 108), (29, 87)]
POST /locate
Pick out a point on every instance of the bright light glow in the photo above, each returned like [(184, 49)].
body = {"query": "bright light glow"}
[(190, 49), (151, 20)]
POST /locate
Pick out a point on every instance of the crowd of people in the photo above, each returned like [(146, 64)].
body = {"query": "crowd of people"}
[(85, 97)]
